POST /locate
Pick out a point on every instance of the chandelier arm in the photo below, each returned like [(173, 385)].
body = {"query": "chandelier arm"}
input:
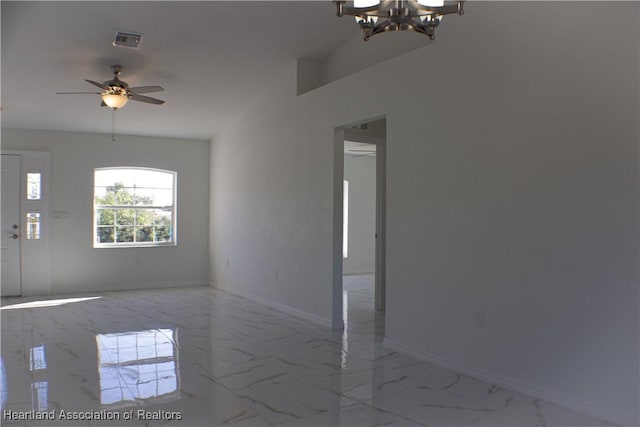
[(413, 26), (380, 27), (423, 29)]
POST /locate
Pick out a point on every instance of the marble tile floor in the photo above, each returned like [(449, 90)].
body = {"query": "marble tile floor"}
[(203, 357)]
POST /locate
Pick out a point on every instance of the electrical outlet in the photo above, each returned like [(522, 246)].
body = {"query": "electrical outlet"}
[(478, 317)]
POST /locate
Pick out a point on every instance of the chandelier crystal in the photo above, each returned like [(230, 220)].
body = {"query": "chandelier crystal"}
[(379, 16)]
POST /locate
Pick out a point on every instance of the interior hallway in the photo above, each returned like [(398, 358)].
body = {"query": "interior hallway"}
[(219, 359)]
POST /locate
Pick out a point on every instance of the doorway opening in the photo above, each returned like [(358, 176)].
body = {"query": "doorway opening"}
[(360, 168)]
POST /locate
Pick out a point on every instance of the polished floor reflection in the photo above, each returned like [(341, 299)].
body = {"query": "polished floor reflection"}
[(202, 357)]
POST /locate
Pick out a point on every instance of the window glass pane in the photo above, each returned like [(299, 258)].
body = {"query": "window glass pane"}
[(163, 226), (105, 216), (144, 216), (154, 197), (105, 234), (124, 234), (115, 194), (162, 217), (99, 193), (125, 216), (144, 234), (163, 234), (34, 185), (33, 226), (134, 177)]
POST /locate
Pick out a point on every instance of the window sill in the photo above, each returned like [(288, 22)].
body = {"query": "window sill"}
[(133, 245)]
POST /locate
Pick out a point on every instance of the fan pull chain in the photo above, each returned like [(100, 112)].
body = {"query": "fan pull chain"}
[(113, 125)]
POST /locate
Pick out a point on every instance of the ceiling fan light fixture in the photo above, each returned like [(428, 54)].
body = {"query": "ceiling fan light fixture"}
[(114, 100), (116, 93)]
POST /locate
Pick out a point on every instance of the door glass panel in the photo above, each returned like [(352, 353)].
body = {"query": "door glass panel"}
[(33, 226), (34, 186)]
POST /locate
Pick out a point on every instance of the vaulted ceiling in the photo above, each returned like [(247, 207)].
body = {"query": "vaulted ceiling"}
[(211, 58)]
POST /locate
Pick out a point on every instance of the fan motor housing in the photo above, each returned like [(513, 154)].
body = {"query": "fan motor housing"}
[(117, 83)]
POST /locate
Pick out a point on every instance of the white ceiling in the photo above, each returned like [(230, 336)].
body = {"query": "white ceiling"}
[(211, 58), (358, 149)]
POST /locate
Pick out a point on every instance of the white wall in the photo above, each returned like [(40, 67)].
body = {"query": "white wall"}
[(512, 185), (75, 265), (360, 171)]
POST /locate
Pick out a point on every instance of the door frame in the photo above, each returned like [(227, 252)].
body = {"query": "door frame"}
[(36, 278), (381, 192)]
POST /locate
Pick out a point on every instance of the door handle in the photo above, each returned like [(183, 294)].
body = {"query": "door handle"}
[(14, 236)]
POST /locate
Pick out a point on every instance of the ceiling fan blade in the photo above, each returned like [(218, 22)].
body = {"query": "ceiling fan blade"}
[(146, 99), (100, 85), (75, 93), (146, 89)]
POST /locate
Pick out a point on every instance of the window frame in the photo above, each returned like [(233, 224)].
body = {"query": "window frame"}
[(174, 235)]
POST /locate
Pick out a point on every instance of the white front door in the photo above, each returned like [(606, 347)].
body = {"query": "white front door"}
[(11, 230)]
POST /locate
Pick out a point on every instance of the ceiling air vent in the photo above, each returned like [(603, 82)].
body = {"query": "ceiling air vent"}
[(127, 39)]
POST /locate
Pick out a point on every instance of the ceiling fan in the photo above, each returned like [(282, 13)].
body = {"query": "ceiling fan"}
[(115, 92)]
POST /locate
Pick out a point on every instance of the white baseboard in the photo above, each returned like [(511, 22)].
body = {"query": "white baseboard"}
[(121, 287), (160, 285), (317, 320), (587, 408)]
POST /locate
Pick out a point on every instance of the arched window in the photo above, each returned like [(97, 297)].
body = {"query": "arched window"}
[(134, 207)]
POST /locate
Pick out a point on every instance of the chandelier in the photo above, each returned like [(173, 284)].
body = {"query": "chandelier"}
[(379, 16)]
